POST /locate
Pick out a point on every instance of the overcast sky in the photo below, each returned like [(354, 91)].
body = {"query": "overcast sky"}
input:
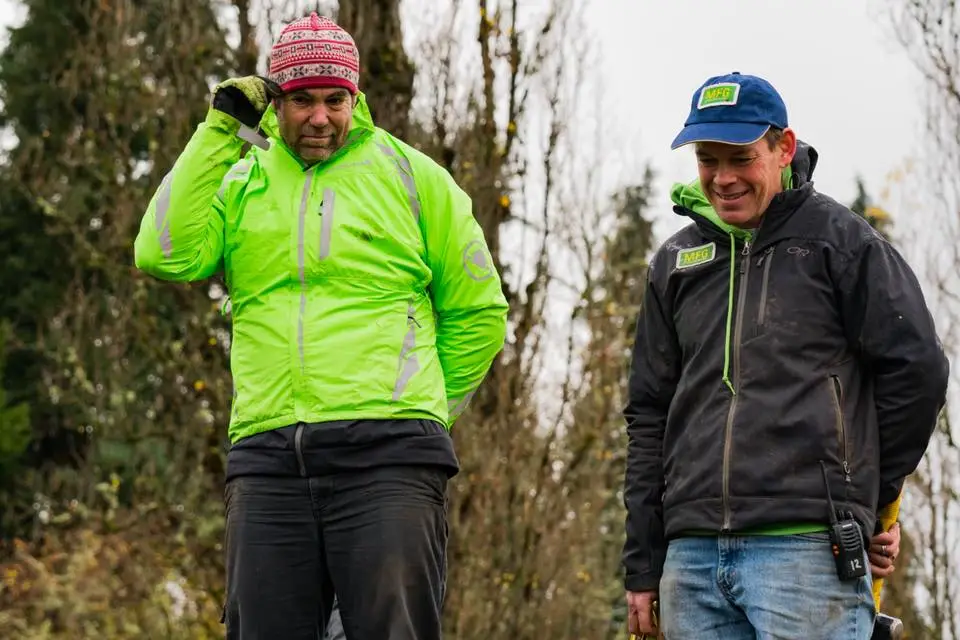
[(850, 89)]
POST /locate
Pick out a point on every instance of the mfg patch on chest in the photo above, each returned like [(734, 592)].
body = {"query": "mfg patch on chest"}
[(695, 256)]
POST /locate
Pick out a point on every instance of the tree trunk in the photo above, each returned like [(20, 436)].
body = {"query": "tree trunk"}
[(386, 72), (248, 50)]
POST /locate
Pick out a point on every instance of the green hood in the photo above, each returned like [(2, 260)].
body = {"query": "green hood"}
[(690, 196)]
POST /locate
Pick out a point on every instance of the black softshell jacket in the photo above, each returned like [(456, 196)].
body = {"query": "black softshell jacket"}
[(756, 360)]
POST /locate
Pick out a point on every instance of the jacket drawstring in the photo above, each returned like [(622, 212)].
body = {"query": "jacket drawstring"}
[(726, 349)]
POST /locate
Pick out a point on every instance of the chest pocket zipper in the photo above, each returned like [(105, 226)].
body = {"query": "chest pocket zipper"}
[(765, 260), (327, 208)]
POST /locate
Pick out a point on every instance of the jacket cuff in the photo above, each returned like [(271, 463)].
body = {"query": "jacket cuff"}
[(221, 122), (637, 582)]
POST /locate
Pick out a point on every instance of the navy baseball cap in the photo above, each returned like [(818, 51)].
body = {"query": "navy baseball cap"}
[(734, 109)]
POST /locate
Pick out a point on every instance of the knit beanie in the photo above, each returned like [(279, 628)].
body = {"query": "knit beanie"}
[(314, 52)]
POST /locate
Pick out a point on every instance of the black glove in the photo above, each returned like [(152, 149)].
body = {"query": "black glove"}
[(245, 99)]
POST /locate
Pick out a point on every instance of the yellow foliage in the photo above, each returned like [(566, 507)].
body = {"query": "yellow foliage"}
[(88, 583)]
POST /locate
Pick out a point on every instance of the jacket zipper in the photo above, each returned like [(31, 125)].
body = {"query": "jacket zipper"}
[(298, 446), (737, 337), (766, 259), (311, 173), (841, 429), (327, 208), (302, 267)]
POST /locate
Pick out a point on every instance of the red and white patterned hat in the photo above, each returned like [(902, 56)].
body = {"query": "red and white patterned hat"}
[(314, 52)]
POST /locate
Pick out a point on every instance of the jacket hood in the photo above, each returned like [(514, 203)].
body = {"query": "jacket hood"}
[(804, 164)]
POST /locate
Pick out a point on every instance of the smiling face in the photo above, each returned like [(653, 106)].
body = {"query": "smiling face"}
[(315, 122), (741, 180)]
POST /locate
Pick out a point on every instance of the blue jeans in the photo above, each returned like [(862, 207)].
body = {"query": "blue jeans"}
[(761, 588)]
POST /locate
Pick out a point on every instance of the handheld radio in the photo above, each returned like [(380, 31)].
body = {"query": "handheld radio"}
[(846, 539)]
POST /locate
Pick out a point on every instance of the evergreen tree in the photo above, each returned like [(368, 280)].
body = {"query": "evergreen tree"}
[(863, 205), (628, 249), (101, 96), (14, 421), (611, 315)]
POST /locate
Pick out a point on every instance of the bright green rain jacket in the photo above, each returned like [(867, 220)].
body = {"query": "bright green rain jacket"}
[(361, 288)]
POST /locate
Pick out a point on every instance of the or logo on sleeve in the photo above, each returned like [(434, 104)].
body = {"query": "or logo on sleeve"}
[(695, 256), (476, 262), (719, 95)]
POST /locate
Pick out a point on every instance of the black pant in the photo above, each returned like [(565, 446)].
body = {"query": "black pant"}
[(376, 537)]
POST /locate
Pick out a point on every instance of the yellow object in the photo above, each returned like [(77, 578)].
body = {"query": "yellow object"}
[(655, 614), (888, 516)]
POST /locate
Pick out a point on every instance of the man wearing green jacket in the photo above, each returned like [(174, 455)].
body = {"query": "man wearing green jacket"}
[(366, 312)]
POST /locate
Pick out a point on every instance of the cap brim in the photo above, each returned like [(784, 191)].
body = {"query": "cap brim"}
[(725, 132)]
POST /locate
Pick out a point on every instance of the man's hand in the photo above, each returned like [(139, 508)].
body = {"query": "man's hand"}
[(883, 552), (245, 99), (640, 618)]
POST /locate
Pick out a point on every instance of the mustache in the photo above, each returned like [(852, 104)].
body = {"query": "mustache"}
[(322, 132)]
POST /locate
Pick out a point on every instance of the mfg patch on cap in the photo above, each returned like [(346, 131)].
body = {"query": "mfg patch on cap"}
[(719, 95), (694, 256)]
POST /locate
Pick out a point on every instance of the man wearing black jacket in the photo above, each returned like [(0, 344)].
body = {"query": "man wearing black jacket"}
[(784, 353)]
